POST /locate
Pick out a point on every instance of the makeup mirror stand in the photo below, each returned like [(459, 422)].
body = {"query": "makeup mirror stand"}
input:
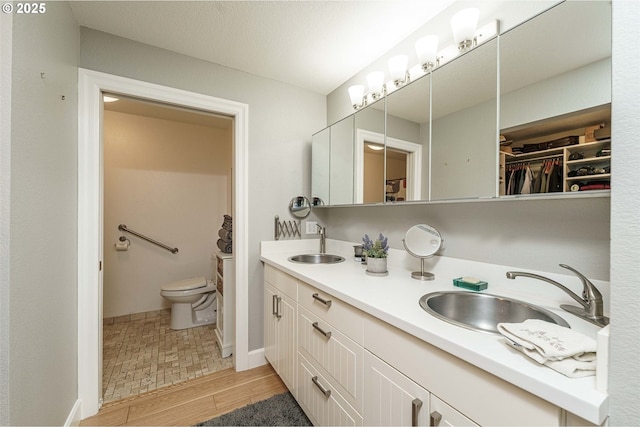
[(422, 241)]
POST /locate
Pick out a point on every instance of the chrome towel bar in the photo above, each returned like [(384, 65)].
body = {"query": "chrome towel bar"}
[(124, 228)]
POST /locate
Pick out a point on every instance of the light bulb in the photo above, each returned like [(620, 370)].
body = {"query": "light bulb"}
[(356, 94), (427, 50), (398, 68), (463, 25)]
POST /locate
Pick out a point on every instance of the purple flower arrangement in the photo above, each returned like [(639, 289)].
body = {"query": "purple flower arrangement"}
[(375, 248)]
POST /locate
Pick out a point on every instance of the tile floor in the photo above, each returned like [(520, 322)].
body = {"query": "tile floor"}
[(142, 353)]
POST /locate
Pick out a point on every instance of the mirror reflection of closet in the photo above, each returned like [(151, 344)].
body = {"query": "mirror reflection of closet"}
[(407, 142), (555, 82), (369, 154), (464, 139)]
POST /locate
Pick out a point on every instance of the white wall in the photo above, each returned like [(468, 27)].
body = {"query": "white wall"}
[(43, 218), (624, 375), (6, 30), (281, 119), (169, 181), (585, 87)]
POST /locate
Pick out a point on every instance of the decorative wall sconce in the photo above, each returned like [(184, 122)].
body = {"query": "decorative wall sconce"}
[(463, 25), (398, 70), (427, 50)]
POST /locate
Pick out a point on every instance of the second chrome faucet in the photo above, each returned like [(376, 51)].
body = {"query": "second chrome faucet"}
[(323, 232), (592, 303)]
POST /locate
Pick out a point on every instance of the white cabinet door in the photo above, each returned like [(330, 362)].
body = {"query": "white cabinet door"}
[(392, 399), (270, 324), (444, 415), (280, 334), (286, 340)]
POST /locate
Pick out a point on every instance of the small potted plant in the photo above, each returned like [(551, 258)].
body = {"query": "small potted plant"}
[(376, 252)]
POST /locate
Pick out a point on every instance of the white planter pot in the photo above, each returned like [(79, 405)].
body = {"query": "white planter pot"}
[(377, 266)]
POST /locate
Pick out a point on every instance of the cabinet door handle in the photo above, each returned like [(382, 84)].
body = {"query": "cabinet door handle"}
[(326, 334), (415, 409), (324, 391), (274, 305), (434, 418), (326, 302), (278, 299)]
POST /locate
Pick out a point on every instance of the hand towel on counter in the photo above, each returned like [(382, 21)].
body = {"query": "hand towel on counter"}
[(562, 349)]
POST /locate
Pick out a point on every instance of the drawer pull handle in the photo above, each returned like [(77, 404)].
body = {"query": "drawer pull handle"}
[(274, 305), (326, 302), (324, 391), (435, 418), (278, 299), (415, 409), (327, 335)]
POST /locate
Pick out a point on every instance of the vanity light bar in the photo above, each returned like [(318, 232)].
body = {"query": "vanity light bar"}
[(482, 34)]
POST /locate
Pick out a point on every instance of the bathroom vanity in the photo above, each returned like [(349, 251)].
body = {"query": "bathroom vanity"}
[(356, 349)]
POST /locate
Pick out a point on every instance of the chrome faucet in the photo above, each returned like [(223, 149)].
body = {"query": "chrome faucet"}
[(591, 301), (323, 232)]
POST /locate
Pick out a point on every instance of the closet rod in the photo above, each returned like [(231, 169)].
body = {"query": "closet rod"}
[(534, 159), (124, 228)]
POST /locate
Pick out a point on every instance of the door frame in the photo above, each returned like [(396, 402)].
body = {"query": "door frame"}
[(91, 84), (414, 162)]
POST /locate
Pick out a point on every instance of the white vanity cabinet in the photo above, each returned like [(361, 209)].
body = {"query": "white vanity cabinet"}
[(346, 367), (280, 311)]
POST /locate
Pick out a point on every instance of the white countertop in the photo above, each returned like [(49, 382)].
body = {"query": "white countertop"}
[(394, 299)]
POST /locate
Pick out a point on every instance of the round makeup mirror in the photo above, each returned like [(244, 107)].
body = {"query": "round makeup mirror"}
[(422, 241), (300, 207)]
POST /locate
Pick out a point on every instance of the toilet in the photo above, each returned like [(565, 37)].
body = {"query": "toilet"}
[(192, 302)]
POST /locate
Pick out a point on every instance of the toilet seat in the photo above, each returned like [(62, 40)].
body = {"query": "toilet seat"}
[(186, 284)]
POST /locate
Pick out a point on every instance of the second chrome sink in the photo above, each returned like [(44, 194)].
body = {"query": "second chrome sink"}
[(483, 312), (316, 258)]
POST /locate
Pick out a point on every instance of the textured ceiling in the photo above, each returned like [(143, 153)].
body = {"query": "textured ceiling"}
[(317, 45)]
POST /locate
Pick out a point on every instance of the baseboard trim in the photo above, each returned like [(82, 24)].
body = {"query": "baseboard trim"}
[(74, 416), (256, 358)]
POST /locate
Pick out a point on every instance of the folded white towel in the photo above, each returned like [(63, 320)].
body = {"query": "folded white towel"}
[(562, 349)]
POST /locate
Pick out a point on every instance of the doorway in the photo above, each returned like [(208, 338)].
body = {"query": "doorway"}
[(166, 174), (90, 198)]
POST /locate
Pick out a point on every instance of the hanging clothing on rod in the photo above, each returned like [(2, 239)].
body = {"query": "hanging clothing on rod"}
[(538, 175)]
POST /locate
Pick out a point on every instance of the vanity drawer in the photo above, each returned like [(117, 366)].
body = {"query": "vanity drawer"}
[(339, 358), (320, 400), (342, 316), (281, 281)]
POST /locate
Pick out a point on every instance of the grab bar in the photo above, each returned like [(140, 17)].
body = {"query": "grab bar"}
[(124, 228)]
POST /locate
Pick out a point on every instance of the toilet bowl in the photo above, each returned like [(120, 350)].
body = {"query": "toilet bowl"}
[(192, 302)]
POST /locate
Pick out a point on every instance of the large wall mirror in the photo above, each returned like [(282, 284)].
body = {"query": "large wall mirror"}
[(369, 154), (341, 163), (464, 125), (555, 83), (461, 131), (407, 142)]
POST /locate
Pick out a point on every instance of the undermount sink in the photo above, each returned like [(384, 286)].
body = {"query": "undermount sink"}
[(483, 312), (316, 258)]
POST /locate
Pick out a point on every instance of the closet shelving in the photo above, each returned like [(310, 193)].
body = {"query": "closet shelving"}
[(593, 159)]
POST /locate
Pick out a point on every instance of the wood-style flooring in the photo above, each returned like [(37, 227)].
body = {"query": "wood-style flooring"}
[(193, 401)]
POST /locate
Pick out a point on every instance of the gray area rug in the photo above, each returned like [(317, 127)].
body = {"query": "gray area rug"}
[(279, 410)]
